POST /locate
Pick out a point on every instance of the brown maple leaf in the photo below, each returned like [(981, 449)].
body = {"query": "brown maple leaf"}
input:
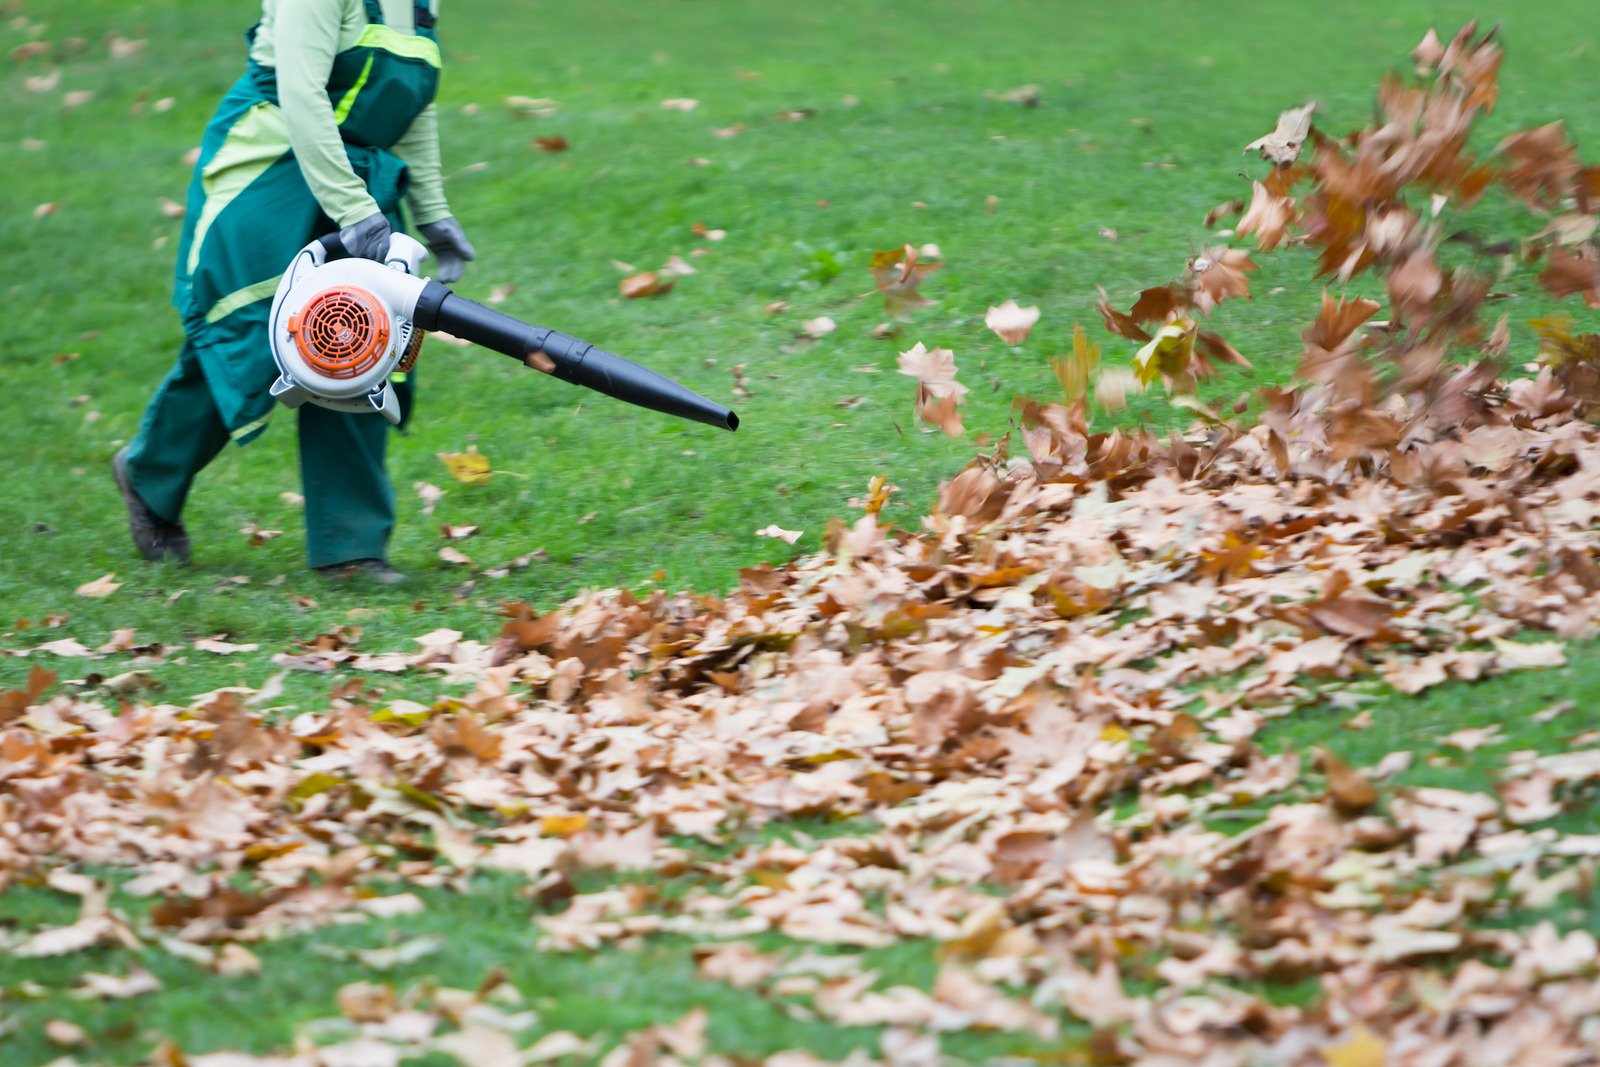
[(1543, 165), (1338, 319), (899, 273), (1282, 145), (1575, 271), (1218, 274), (1268, 217)]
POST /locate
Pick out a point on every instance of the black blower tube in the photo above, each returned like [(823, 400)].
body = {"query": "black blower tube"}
[(575, 361)]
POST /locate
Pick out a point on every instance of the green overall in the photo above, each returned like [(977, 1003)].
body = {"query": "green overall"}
[(250, 210)]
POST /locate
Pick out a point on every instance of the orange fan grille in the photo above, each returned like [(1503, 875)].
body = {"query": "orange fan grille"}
[(342, 333)]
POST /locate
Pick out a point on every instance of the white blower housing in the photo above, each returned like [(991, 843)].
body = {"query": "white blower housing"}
[(340, 328)]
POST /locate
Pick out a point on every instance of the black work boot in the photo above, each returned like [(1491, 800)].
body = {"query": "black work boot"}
[(375, 570), (155, 537)]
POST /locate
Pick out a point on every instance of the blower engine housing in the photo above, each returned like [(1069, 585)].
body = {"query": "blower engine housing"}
[(340, 329)]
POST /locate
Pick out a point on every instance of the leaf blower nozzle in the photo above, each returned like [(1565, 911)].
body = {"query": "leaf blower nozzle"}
[(341, 328), (569, 358)]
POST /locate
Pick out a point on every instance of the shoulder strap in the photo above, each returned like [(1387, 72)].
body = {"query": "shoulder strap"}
[(374, 12), (423, 16)]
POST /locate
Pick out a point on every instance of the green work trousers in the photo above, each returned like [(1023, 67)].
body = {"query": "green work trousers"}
[(349, 509)]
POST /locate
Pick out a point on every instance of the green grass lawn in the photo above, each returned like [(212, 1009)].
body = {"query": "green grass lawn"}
[(1144, 108)]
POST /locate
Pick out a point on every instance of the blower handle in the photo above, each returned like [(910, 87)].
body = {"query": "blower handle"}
[(333, 247), (404, 252), (569, 358)]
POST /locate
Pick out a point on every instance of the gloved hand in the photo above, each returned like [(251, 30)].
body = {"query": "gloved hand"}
[(450, 247), (367, 239)]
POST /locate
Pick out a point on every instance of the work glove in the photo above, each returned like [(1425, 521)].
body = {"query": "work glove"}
[(367, 239), (450, 247)]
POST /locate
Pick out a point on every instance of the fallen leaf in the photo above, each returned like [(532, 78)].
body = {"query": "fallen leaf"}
[(645, 283), (101, 587), (221, 647)]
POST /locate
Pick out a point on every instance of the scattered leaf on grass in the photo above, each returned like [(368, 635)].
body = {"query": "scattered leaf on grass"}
[(221, 646), (645, 283), (102, 586)]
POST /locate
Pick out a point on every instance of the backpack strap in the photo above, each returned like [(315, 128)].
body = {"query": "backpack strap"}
[(423, 16), (374, 12)]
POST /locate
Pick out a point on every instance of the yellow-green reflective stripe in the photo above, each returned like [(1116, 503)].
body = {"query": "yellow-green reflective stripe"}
[(241, 298), (257, 141), (250, 427), (348, 101), (401, 44)]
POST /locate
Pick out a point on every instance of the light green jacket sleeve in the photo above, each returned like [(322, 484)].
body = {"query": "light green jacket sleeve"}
[(305, 40), (420, 149)]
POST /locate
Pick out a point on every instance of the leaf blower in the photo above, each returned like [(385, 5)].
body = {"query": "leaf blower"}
[(342, 327)]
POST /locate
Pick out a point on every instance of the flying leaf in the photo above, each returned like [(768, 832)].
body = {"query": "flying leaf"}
[(787, 536), (469, 468), (1268, 217), (1219, 274), (1010, 322), (1282, 145), (1112, 386), (899, 273), (940, 411), (1168, 356), (1075, 370), (934, 369)]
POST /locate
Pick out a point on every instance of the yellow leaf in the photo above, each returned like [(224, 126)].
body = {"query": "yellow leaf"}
[(1362, 1049), (469, 468), (313, 784), (563, 825), (1074, 371), (1167, 354), (1114, 733)]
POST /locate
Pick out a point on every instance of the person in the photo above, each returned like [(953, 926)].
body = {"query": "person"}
[(332, 127)]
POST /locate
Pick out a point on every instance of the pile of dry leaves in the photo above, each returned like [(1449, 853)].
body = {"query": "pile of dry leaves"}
[(1052, 688)]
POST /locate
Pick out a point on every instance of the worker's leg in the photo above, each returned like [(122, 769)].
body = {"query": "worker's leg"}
[(349, 502), (181, 432)]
